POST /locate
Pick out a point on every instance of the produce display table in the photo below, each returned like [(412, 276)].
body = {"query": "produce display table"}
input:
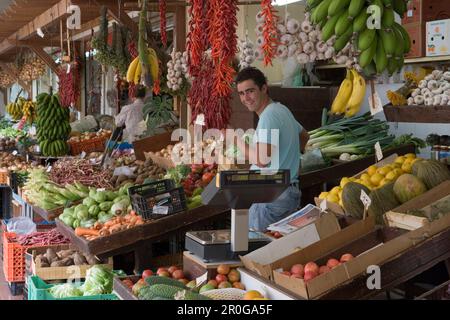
[(399, 269), (139, 239), (311, 182)]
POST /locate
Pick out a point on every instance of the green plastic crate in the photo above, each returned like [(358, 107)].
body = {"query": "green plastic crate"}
[(38, 290)]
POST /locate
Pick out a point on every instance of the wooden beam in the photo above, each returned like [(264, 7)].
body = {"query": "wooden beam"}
[(122, 17), (35, 42), (45, 57)]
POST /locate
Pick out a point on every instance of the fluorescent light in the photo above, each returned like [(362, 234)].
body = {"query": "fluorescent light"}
[(283, 2)]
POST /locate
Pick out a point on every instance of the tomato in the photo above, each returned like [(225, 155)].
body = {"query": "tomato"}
[(207, 177), (197, 168), (147, 273)]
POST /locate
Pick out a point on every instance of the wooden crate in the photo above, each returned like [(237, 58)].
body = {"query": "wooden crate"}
[(153, 143), (121, 290), (16, 208)]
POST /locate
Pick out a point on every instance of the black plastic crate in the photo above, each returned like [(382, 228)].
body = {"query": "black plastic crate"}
[(159, 205), (6, 202), (152, 188)]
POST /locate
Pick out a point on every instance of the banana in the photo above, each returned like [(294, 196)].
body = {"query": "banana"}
[(387, 20), (342, 41), (343, 95), (405, 35), (356, 7), (342, 24), (400, 7), (387, 3), (391, 65), (328, 29), (132, 69), (370, 70), (153, 63), (366, 57), (320, 12), (313, 3), (358, 94), (336, 6), (360, 22), (400, 47), (380, 57), (366, 38), (388, 38), (137, 74)]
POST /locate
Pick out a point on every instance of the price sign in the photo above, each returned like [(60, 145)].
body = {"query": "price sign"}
[(40, 33), (202, 279), (375, 103), (49, 168), (32, 131), (83, 155), (365, 199), (68, 68), (101, 189), (160, 210), (378, 151), (323, 205), (14, 153), (200, 120)]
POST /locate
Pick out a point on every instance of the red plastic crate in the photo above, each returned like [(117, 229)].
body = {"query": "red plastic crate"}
[(13, 258)]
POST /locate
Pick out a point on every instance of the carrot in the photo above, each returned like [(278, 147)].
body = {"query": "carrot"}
[(79, 231)]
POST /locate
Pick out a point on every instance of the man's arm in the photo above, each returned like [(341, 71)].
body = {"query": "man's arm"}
[(304, 137)]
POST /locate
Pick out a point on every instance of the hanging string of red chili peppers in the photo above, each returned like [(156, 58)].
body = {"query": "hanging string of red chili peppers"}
[(69, 83), (163, 22), (213, 25), (269, 31)]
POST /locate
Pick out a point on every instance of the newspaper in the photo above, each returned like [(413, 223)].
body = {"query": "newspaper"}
[(297, 220)]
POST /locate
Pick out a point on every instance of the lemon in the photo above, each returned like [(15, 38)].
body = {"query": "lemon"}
[(407, 167), (365, 177), (344, 181), (352, 179), (332, 198), (335, 190), (396, 165), (323, 195), (371, 170), (410, 155), (400, 159), (408, 160), (384, 170), (384, 181), (391, 175), (376, 178)]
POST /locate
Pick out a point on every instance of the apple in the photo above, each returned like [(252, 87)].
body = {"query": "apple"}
[(324, 269), (172, 269), (147, 273), (213, 283), (298, 268), (224, 284), (161, 269), (346, 257), (234, 275), (309, 275), (223, 269), (311, 267), (178, 274), (238, 285), (332, 263), (164, 274), (221, 278)]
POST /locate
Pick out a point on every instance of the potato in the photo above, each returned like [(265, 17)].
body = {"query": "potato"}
[(62, 254), (79, 259), (51, 256)]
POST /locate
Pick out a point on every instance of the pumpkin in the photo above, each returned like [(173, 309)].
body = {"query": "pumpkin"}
[(383, 200), (407, 187), (431, 172), (351, 199)]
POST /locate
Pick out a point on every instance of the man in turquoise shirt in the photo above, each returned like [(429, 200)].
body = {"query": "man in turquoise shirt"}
[(279, 136)]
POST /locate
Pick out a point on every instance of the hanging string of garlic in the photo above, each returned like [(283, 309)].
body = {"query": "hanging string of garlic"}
[(177, 70), (247, 53)]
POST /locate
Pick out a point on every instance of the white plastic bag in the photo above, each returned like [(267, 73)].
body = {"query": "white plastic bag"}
[(21, 225)]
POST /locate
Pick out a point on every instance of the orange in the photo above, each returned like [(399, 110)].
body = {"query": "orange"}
[(371, 170), (252, 294)]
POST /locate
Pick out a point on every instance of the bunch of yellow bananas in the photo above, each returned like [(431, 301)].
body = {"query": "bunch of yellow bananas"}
[(29, 111), (135, 68), (350, 95), (15, 109)]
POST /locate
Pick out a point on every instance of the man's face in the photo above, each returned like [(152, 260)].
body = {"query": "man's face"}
[(251, 95)]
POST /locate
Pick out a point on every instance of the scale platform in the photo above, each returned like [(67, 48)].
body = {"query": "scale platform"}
[(215, 245)]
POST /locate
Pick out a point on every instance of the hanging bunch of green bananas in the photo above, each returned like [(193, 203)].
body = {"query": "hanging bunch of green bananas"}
[(29, 111), (15, 109), (381, 48), (53, 126)]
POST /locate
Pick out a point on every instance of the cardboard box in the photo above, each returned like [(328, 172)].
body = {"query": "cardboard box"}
[(438, 38), (377, 252), (60, 273), (417, 34), (413, 13), (260, 261), (397, 217)]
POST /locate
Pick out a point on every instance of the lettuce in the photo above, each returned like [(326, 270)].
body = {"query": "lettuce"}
[(65, 290), (99, 280)]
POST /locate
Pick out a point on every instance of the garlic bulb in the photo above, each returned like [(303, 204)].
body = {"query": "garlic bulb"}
[(177, 70)]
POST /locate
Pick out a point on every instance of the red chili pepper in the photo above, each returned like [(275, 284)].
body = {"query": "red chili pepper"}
[(163, 22)]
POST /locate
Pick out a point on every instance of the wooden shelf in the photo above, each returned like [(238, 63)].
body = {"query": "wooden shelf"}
[(417, 114), (407, 61)]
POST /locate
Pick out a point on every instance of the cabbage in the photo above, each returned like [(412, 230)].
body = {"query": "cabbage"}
[(65, 290), (99, 280)]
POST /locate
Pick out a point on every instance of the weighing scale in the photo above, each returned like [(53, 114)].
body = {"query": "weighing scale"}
[(237, 189)]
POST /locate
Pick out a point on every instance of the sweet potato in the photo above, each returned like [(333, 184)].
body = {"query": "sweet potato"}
[(79, 259), (51, 256), (62, 254)]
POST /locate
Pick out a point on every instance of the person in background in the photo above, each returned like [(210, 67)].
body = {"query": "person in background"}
[(292, 137), (131, 116)]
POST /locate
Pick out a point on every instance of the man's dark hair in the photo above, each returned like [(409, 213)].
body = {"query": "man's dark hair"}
[(251, 73), (140, 92)]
